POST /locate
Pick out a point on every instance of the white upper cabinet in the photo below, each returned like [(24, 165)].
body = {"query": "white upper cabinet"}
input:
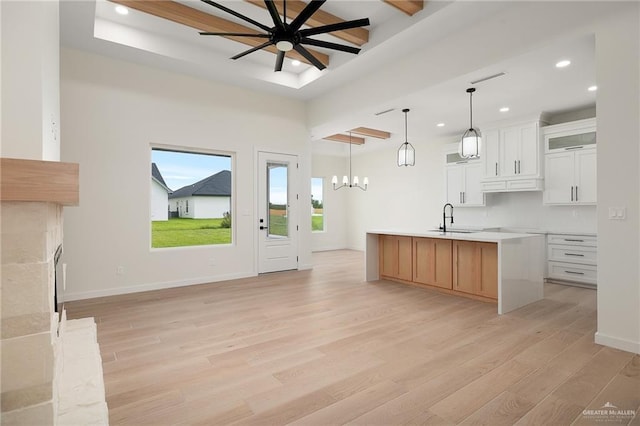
[(463, 180), (570, 163), (512, 158)]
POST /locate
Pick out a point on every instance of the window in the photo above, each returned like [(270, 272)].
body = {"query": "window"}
[(190, 198), (317, 208)]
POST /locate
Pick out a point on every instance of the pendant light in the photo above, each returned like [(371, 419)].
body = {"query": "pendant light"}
[(348, 181), (471, 139), (406, 152)]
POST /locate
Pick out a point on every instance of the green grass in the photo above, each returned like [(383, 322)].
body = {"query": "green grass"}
[(278, 225), (317, 223), (180, 232)]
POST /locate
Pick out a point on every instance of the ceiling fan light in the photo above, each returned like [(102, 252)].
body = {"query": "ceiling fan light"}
[(284, 45)]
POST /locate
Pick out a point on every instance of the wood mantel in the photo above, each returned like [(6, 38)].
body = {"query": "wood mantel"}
[(44, 181)]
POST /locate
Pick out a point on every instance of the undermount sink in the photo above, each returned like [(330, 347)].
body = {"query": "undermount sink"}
[(455, 231)]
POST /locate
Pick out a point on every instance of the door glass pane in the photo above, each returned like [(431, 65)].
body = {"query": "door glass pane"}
[(277, 199)]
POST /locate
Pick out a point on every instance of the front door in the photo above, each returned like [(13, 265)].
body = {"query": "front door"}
[(277, 212)]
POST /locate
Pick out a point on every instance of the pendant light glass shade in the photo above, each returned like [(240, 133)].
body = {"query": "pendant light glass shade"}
[(347, 181), (471, 141), (406, 152)]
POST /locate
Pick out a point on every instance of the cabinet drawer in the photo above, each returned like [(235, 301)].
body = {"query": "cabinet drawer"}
[(573, 254), (573, 272), (524, 185), (572, 240), (499, 185)]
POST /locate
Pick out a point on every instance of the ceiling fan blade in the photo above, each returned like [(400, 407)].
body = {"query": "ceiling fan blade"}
[(304, 52), (235, 35), (236, 14), (253, 49), (306, 13), (335, 27), (279, 61), (273, 11), (329, 45)]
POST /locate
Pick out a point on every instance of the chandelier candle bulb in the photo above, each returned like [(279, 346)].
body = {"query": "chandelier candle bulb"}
[(355, 181), (345, 180), (334, 180), (365, 182)]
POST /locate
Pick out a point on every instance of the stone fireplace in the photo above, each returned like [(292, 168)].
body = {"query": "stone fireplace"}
[(32, 342)]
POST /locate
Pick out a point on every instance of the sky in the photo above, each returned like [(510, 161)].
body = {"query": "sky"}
[(181, 169)]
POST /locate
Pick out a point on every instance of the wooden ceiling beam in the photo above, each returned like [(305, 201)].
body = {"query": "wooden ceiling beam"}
[(357, 36), (345, 138), (201, 21), (410, 7), (374, 133)]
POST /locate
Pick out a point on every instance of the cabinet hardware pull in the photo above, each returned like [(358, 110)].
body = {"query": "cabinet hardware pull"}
[(515, 167), (460, 197), (574, 241), (464, 197), (573, 147), (575, 273), (574, 254), (576, 192), (519, 169), (496, 169), (571, 193)]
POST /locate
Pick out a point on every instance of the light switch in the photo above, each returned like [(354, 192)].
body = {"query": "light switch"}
[(617, 213)]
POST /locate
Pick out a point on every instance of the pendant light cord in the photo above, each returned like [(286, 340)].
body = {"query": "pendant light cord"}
[(470, 110), (350, 159), (406, 137)]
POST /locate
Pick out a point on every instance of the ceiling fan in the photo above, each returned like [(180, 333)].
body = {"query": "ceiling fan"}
[(288, 37)]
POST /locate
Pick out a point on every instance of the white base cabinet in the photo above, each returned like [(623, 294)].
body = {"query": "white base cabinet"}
[(572, 258)]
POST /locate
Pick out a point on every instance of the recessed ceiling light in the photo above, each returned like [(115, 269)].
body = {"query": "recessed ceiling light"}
[(504, 109), (592, 88), (563, 63), (440, 124), (295, 63), (122, 10)]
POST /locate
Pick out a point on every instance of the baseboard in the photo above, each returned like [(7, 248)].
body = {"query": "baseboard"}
[(305, 266), (328, 248), (71, 296), (616, 342)]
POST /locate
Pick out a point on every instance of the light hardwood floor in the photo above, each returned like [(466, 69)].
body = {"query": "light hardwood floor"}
[(322, 347)]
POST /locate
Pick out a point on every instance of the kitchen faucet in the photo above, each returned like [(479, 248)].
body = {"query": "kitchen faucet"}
[(444, 216)]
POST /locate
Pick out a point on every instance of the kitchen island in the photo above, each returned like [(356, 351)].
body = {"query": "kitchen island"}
[(503, 267)]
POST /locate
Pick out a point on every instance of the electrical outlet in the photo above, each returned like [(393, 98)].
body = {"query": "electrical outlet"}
[(120, 270)]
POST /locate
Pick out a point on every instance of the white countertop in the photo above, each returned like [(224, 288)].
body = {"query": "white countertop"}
[(483, 236)]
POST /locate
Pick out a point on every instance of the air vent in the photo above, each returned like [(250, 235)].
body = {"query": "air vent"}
[(385, 111), (481, 80)]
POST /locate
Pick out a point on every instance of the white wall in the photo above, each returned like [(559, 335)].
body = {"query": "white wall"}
[(30, 80), (159, 201), (618, 104), (113, 111), (202, 207), (334, 236)]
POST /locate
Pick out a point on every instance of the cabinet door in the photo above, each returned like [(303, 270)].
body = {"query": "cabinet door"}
[(388, 253), (405, 259), (585, 176), (455, 184), (558, 178), (472, 192), (529, 151), (432, 262), (490, 153), (509, 151), (465, 259), (488, 274), (395, 257)]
